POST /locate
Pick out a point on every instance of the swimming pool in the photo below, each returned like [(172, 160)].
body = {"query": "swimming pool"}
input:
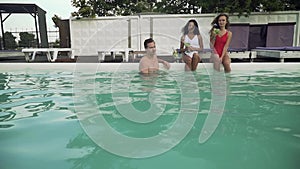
[(51, 116)]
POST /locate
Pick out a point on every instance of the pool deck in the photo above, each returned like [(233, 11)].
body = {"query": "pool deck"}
[(236, 57)]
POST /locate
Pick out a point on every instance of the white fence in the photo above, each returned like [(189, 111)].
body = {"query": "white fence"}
[(103, 33), (91, 35)]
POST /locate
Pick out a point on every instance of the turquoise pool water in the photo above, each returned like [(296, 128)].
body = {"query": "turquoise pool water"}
[(39, 126)]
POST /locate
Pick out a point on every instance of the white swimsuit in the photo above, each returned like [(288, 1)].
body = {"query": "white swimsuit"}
[(193, 42)]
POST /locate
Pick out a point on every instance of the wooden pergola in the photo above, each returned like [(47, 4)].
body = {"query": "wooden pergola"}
[(35, 11)]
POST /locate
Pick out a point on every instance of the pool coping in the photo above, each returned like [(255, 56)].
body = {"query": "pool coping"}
[(5, 67)]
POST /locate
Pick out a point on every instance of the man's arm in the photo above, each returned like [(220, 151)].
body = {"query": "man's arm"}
[(165, 63)]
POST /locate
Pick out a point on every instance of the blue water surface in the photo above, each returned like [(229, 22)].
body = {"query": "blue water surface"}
[(39, 126)]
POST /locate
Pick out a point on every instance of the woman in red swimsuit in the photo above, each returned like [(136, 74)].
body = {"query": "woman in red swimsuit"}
[(220, 39)]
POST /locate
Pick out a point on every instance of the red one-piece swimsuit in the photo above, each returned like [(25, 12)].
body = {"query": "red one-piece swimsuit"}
[(220, 43)]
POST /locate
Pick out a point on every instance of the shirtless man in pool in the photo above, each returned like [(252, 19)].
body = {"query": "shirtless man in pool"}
[(149, 62)]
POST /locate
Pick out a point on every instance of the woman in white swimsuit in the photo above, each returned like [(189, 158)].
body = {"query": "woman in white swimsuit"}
[(191, 44)]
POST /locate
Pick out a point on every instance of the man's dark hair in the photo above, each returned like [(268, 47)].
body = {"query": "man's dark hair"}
[(147, 41)]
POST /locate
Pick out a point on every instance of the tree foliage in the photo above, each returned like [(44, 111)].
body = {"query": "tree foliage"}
[(10, 41), (92, 8), (26, 39)]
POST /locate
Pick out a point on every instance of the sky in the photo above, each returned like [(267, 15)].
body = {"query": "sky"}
[(25, 22)]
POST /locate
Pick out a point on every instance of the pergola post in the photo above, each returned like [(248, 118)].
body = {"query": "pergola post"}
[(36, 30), (43, 28), (2, 32), (33, 10)]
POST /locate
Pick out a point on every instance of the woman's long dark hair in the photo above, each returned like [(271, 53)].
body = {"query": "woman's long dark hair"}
[(215, 23), (185, 29)]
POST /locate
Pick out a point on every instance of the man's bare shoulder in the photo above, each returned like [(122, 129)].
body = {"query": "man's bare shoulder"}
[(143, 58)]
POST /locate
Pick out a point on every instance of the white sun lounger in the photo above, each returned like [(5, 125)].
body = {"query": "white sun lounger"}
[(51, 53), (278, 52)]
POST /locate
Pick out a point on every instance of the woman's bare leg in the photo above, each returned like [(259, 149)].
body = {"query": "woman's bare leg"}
[(216, 61), (195, 61), (226, 63), (188, 62)]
